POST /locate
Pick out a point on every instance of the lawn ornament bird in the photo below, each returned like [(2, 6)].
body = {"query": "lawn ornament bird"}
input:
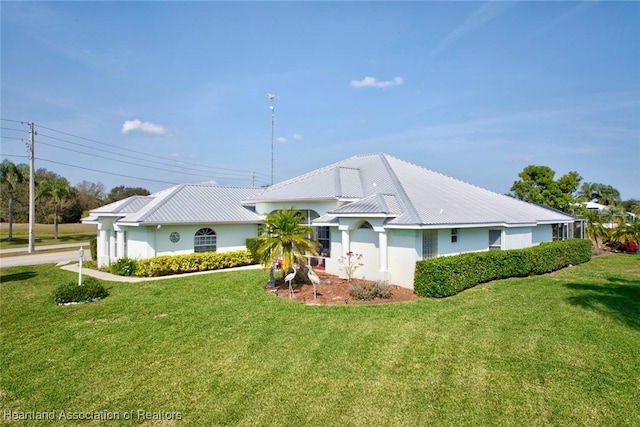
[(289, 278), (315, 280)]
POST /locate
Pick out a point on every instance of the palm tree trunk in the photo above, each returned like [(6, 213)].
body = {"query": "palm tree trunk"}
[(10, 239), (55, 222)]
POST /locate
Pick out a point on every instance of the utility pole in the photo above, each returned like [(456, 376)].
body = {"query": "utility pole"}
[(253, 179), (32, 189), (272, 107)]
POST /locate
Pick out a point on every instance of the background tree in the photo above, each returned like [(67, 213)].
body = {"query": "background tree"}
[(284, 235), (595, 229), (122, 192), (628, 231), (537, 185), (607, 195), (631, 205), (10, 177), (58, 190), (601, 193), (90, 196)]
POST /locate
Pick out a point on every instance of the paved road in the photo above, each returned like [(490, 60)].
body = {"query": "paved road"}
[(44, 258)]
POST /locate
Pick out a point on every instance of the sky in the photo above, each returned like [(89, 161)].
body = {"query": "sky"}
[(152, 94)]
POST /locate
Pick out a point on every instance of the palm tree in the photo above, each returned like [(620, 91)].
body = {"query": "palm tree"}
[(607, 195), (595, 228), (628, 232), (588, 191), (58, 189), (12, 176), (285, 235)]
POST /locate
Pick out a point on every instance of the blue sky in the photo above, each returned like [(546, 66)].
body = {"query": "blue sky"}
[(474, 90)]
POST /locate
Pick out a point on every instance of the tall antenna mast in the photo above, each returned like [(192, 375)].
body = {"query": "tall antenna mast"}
[(272, 107)]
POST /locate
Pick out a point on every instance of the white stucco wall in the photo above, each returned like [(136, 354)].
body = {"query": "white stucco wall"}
[(541, 233), (405, 247), (365, 242), (469, 240), (147, 242), (517, 238), (229, 237)]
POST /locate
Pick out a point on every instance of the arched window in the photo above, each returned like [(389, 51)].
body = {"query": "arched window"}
[(367, 225), (204, 240)]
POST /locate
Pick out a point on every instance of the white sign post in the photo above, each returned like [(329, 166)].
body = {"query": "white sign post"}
[(80, 267)]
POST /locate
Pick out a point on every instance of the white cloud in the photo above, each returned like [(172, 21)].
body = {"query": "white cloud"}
[(281, 139), (146, 127), (297, 137), (372, 82)]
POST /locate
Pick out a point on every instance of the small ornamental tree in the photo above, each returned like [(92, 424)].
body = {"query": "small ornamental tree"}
[(284, 235), (350, 263)]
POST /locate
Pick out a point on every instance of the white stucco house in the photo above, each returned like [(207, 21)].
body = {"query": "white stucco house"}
[(391, 211)]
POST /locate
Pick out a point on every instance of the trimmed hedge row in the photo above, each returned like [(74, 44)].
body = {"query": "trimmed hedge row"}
[(446, 276), (189, 263)]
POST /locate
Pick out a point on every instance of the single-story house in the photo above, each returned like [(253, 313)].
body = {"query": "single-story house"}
[(390, 211)]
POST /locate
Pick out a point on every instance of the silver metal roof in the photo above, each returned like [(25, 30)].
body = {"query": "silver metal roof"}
[(191, 203), (411, 195)]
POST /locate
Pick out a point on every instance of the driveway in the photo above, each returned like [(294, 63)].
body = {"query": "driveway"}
[(40, 257)]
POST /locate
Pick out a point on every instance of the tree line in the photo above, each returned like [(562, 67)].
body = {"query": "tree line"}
[(56, 200)]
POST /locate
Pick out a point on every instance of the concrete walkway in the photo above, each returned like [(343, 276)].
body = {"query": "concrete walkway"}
[(115, 278), (25, 249)]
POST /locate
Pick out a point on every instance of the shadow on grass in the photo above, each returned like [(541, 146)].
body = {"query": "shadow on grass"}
[(618, 299), (25, 275)]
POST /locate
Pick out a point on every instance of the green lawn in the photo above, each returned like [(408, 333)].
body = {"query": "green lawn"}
[(561, 349), (67, 233)]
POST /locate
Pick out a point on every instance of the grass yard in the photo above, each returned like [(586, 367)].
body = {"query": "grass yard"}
[(560, 349), (67, 233)]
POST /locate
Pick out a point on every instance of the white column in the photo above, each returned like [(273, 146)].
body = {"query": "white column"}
[(103, 248), (120, 239), (346, 244), (112, 246), (382, 240)]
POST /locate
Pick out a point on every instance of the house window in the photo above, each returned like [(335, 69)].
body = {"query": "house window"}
[(204, 240), (323, 236), (495, 240), (429, 244), (454, 235), (366, 225), (559, 231)]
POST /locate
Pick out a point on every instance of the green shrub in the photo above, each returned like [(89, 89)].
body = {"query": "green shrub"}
[(446, 276), (252, 244), (93, 248), (124, 267), (90, 290), (189, 263), (363, 291)]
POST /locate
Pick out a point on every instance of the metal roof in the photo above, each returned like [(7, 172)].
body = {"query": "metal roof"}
[(411, 195), (190, 203), (373, 184)]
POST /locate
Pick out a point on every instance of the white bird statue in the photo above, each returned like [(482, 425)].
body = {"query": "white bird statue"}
[(315, 280), (289, 278)]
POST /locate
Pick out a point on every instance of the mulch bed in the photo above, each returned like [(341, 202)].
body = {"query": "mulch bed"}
[(333, 290)]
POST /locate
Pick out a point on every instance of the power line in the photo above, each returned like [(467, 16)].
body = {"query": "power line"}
[(123, 161), (194, 169), (109, 173), (23, 122), (143, 153), (135, 164)]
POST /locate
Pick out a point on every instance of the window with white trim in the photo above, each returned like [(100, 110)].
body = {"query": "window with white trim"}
[(454, 235), (205, 240), (429, 244), (495, 240)]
